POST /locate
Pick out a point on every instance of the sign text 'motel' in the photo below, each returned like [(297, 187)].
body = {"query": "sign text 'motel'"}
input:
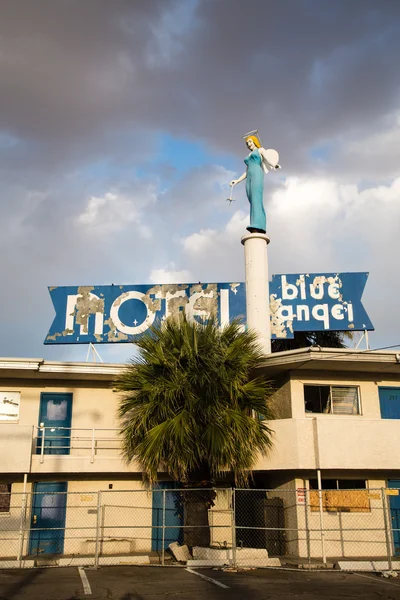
[(121, 313)]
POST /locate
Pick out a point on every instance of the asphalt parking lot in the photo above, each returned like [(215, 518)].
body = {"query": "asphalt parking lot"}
[(152, 583)]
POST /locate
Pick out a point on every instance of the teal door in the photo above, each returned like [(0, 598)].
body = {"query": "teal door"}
[(395, 515), (49, 506), (55, 414), (171, 515), (389, 399)]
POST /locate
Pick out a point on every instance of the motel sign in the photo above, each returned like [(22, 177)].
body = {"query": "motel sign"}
[(102, 314)]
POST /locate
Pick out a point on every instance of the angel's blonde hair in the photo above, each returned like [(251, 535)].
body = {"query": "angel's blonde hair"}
[(255, 140)]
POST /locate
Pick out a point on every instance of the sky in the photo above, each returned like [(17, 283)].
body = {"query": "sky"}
[(121, 126)]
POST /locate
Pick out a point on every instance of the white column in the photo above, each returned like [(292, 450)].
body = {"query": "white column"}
[(257, 286)]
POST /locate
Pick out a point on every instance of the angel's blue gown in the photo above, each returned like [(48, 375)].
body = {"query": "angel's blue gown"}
[(254, 191)]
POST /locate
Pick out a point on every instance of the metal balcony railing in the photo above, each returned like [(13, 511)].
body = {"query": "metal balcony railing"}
[(83, 442)]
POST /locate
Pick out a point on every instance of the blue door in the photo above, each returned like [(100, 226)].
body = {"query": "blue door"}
[(55, 415), (389, 398), (49, 506), (395, 515), (173, 513)]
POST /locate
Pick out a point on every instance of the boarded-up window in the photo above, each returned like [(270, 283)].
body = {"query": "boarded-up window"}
[(340, 500), (5, 497)]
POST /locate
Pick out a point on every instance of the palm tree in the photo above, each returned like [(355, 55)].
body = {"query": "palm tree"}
[(193, 407)]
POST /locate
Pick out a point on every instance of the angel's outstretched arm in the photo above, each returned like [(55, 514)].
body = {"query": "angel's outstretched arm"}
[(236, 181)]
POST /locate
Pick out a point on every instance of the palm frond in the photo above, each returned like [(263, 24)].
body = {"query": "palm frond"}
[(191, 401)]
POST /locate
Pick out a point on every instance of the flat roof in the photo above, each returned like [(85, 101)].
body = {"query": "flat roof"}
[(316, 358), (39, 368), (303, 359)]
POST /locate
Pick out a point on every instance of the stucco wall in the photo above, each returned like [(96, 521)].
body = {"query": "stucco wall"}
[(93, 405), (305, 441), (368, 387), (290, 534), (293, 446), (280, 401), (15, 448), (124, 521), (10, 523)]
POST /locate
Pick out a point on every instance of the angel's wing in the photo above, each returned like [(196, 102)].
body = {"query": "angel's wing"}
[(270, 160)]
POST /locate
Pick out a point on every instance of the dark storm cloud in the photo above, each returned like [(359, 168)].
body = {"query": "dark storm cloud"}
[(87, 86), (66, 63), (75, 73)]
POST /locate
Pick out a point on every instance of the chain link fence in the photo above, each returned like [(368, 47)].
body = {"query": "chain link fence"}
[(199, 527)]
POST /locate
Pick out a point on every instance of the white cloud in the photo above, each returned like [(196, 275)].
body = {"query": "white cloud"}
[(368, 154), (93, 159), (199, 196), (170, 275), (217, 255), (210, 239), (317, 225), (199, 242), (319, 222), (114, 211)]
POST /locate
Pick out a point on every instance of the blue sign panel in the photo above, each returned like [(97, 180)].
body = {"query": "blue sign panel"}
[(121, 313)]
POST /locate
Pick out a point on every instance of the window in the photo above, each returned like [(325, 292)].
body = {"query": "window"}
[(331, 399), (9, 406), (5, 497), (340, 495)]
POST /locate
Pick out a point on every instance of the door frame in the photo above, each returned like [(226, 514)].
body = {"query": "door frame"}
[(60, 533), (66, 450), (387, 387), (394, 484), (157, 516)]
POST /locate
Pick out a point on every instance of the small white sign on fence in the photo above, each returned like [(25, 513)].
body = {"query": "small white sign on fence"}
[(301, 495)]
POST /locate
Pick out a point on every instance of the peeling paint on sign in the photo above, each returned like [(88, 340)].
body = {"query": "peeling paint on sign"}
[(115, 314)]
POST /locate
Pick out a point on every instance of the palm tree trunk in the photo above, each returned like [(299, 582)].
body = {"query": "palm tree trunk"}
[(197, 501), (196, 524)]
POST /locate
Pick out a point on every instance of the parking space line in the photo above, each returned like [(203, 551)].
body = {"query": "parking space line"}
[(381, 579), (85, 582), (214, 581)]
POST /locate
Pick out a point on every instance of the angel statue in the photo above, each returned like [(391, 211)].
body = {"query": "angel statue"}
[(258, 162)]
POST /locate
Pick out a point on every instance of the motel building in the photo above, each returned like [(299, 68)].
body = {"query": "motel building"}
[(327, 490)]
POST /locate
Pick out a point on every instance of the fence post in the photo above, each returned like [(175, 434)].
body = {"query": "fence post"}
[(321, 517), (387, 528), (307, 524), (163, 531), (233, 521), (92, 451), (98, 523), (22, 522)]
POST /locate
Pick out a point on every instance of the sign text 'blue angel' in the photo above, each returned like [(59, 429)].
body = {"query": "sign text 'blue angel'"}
[(121, 313)]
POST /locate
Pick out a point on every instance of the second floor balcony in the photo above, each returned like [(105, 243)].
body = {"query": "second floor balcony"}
[(61, 449), (324, 442)]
